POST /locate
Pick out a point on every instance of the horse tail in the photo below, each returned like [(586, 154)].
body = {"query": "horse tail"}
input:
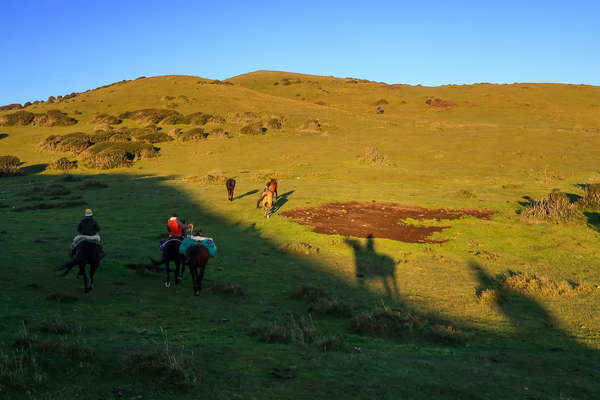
[(262, 196)]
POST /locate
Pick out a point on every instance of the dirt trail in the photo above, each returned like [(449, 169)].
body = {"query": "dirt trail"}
[(381, 220)]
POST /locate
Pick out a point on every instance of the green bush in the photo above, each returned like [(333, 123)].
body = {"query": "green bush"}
[(193, 135), (18, 118), (73, 142), (556, 208), (198, 118), (53, 118), (113, 155), (107, 119), (275, 123), (591, 196), (9, 166), (149, 115)]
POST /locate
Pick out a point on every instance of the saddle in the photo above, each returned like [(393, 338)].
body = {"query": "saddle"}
[(198, 240)]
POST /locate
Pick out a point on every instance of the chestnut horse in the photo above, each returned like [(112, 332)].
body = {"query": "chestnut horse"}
[(196, 257), (230, 184), (272, 186), (266, 198)]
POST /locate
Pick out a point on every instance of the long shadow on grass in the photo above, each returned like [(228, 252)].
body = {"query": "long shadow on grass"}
[(241, 196), (281, 200), (3, 135), (133, 211)]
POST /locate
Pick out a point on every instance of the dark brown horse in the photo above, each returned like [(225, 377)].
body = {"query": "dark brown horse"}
[(272, 186), (230, 184), (196, 257), (171, 253), (86, 253)]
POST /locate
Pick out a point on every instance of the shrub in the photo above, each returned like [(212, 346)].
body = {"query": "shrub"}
[(156, 137), (289, 330), (53, 118), (374, 158), (537, 285), (149, 115), (311, 126), (198, 118), (72, 142), (489, 296), (321, 301), (464, 194), (556, 208), (383, 321), (63, 164), (380, 102), (591, 196), (107, 119), (331, 343), (114, 155), (18, 118), (254, 128), (214, 178), (298, 248), (217, 119), (164, 366), (219, 133), (245, 117), (193, 135), (275, 123), (9, 107), (9, 166)]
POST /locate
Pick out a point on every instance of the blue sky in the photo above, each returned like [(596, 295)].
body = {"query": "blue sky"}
[(54, 47)]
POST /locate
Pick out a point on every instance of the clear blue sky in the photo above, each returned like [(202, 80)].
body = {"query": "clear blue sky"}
[(54, 47)]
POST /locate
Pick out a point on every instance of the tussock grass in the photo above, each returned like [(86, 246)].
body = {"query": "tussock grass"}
[(310, 126), (53, 118), (321, 301), (331, 343), (591, 195), (219, 133), (296, 330), (213, 178), (464, 194), (275, 123), (9, 166), (107, 119), (149, 115), (298, 248), (489, 296), (92, 184), (72, 142), (57, 325), (63, 164), (254, 128), (556, 208), (538, 285), (70, 348), (20, 372), (374, 158), (18, 118), (383, 321), (192, 135), (228, 289), (244, 118)]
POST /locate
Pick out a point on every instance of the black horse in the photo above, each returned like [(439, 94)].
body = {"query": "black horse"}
[(230, 184), (171, 253), (86, 253)]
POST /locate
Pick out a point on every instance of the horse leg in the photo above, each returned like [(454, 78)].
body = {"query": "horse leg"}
[(168, 281), (201, 276), (86, 282), (182, 262), (194, 273), (93, 268), (177, 273)]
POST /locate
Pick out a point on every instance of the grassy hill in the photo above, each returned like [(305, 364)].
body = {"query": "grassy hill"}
[(489, 308)]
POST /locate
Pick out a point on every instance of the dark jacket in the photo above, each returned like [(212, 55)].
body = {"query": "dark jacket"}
[(88, 226)]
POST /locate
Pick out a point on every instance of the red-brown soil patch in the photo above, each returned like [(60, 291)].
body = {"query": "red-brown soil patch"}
[(379, 220)]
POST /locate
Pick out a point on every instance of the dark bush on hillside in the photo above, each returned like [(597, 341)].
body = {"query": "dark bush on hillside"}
[(113, 155), (18, 118), (275, 123), (9, 107), (556, 208), (53, 118), (254, 128), (218, 82), (27, 104), (63, 164), (9, 166), (107, 119), (73, 142), (149, 115), (311, 126), (193, 135), (155, 137)]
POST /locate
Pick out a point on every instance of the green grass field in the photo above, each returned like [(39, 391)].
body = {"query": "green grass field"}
[(455, 319)]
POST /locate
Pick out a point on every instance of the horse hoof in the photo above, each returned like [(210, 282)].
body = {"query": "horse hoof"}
[(167, 284), (197, 293)]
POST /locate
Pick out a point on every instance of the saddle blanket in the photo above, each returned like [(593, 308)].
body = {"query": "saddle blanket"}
[(82, 238), (198, 240), (164, 242)]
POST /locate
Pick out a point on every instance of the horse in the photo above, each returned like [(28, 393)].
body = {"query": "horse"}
[(171, 253), (196, 257), (272, 186), (86, 253), (266, 198), (230, 184)]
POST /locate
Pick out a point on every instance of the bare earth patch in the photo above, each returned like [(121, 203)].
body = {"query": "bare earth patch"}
[(379, 220)]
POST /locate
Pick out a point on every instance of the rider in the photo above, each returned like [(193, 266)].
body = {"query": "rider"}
[(176, 228), (88, 225)]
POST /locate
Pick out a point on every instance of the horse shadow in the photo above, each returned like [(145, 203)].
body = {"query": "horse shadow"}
[(34, 169), (3, 135), (251, 192), (281, 200), (371, 265), (593, 220)]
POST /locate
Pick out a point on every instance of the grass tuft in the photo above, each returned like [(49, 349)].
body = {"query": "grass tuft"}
[(288, 330), (63, 164), (556, 208), (374, 158), (298, 248), (228, 289), (9, 166), (321, 301)]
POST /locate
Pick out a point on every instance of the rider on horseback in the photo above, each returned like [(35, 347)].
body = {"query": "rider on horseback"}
[(176, 228), (88, 230)]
